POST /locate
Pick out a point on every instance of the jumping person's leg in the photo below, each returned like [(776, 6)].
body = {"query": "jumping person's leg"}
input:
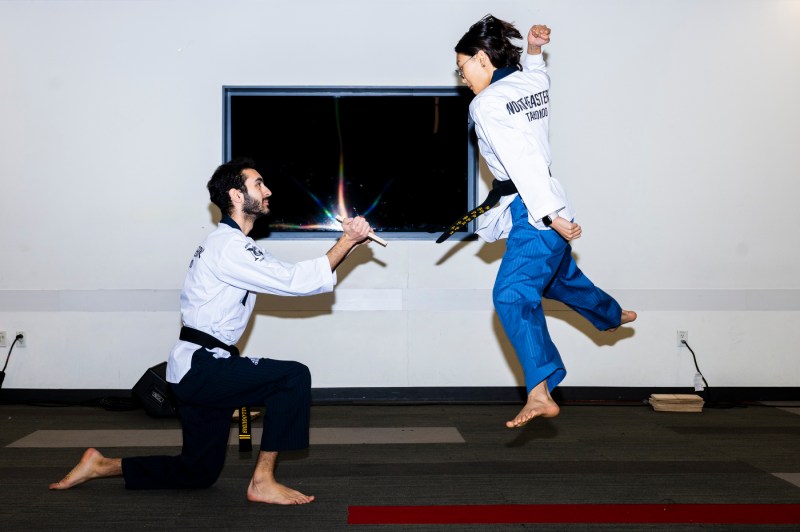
[(573, 288), (520, 311), (531, 260)]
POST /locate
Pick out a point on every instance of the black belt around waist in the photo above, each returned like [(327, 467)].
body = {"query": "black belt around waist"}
[(206, 340), (499, 189)]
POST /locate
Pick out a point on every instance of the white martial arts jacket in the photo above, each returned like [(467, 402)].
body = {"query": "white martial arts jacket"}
[(219, 292), (511, 118)]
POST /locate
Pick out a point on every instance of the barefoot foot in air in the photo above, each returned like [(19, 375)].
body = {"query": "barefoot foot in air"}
[(92, 465), (627, 317), (539, 404)]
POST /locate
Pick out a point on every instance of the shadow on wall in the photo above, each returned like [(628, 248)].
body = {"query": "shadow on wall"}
[(561, 312), (556, 310)]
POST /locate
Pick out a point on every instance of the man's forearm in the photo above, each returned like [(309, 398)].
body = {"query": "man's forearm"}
[(339, 251)]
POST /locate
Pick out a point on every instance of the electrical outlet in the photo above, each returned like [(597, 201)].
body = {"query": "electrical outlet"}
[(2, 338), (21, 341), (683, 336)]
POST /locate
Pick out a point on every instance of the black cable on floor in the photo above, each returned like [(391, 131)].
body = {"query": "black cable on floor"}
[(708, 400)]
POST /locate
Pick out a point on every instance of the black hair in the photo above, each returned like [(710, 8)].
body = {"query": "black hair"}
[(492, 36), (226, 177)]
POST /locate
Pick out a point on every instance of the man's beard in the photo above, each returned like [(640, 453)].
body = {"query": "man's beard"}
[(252, 206)]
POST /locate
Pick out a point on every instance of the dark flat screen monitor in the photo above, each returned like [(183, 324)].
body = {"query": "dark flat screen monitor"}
[(404, 158)]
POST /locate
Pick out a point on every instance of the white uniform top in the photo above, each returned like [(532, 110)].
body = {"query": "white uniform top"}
[(218, 294), (511, 118)]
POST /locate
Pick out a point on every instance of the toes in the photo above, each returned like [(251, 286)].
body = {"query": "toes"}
[(302, 499)]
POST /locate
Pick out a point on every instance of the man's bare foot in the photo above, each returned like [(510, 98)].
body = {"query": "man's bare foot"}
[(539, 404), (275, 493), (92, 465), (627, 317)]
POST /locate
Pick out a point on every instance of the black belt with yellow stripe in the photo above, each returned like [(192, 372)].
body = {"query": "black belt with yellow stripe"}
[(499, 189)]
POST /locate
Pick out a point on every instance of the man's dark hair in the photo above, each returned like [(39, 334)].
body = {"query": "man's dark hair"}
[(493, 36), (226, 177)]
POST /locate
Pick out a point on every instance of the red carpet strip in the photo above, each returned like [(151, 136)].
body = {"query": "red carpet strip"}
[(750, 514)]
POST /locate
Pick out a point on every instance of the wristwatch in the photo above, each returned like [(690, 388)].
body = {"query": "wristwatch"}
[(549, 219)]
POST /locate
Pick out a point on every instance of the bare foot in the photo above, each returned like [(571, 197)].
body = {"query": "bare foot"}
[(92, 465), (275, 493), (539, 404), (627, 317)]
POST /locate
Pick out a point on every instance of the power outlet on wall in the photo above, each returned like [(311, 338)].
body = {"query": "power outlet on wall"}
[(21, 342), (683, 336), (2, 338)]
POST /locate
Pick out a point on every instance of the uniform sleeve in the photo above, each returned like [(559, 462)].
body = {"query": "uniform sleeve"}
[(245, 265), (518, 151), (534, 63)]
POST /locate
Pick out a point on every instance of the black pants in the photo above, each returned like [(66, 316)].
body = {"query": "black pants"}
[(207, 396)]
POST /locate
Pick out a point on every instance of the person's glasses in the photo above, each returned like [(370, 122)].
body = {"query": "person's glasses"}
[(460, 70)]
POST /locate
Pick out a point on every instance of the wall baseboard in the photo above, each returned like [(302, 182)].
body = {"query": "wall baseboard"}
[(562, 394), (428, 395)]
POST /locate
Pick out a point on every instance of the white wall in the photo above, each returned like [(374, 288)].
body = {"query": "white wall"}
[(674, 127)]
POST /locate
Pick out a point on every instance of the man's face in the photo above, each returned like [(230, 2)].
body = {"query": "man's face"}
[(256, 194)]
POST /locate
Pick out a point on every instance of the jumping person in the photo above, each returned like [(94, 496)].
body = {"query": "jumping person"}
[(511, 112), (207, 376)]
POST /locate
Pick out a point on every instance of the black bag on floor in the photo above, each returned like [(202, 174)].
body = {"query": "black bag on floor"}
[(153, 393)]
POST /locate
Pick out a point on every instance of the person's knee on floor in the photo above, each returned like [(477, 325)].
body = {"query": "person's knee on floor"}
[(203, 478)]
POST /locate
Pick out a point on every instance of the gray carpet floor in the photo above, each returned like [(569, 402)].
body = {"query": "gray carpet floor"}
[(597, 454)]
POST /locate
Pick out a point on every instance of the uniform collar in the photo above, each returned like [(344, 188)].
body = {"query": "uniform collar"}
[(500, 73), (227, 220)]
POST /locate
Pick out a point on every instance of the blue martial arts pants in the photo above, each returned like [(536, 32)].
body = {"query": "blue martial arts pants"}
[(207, 396), (539, 264)]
